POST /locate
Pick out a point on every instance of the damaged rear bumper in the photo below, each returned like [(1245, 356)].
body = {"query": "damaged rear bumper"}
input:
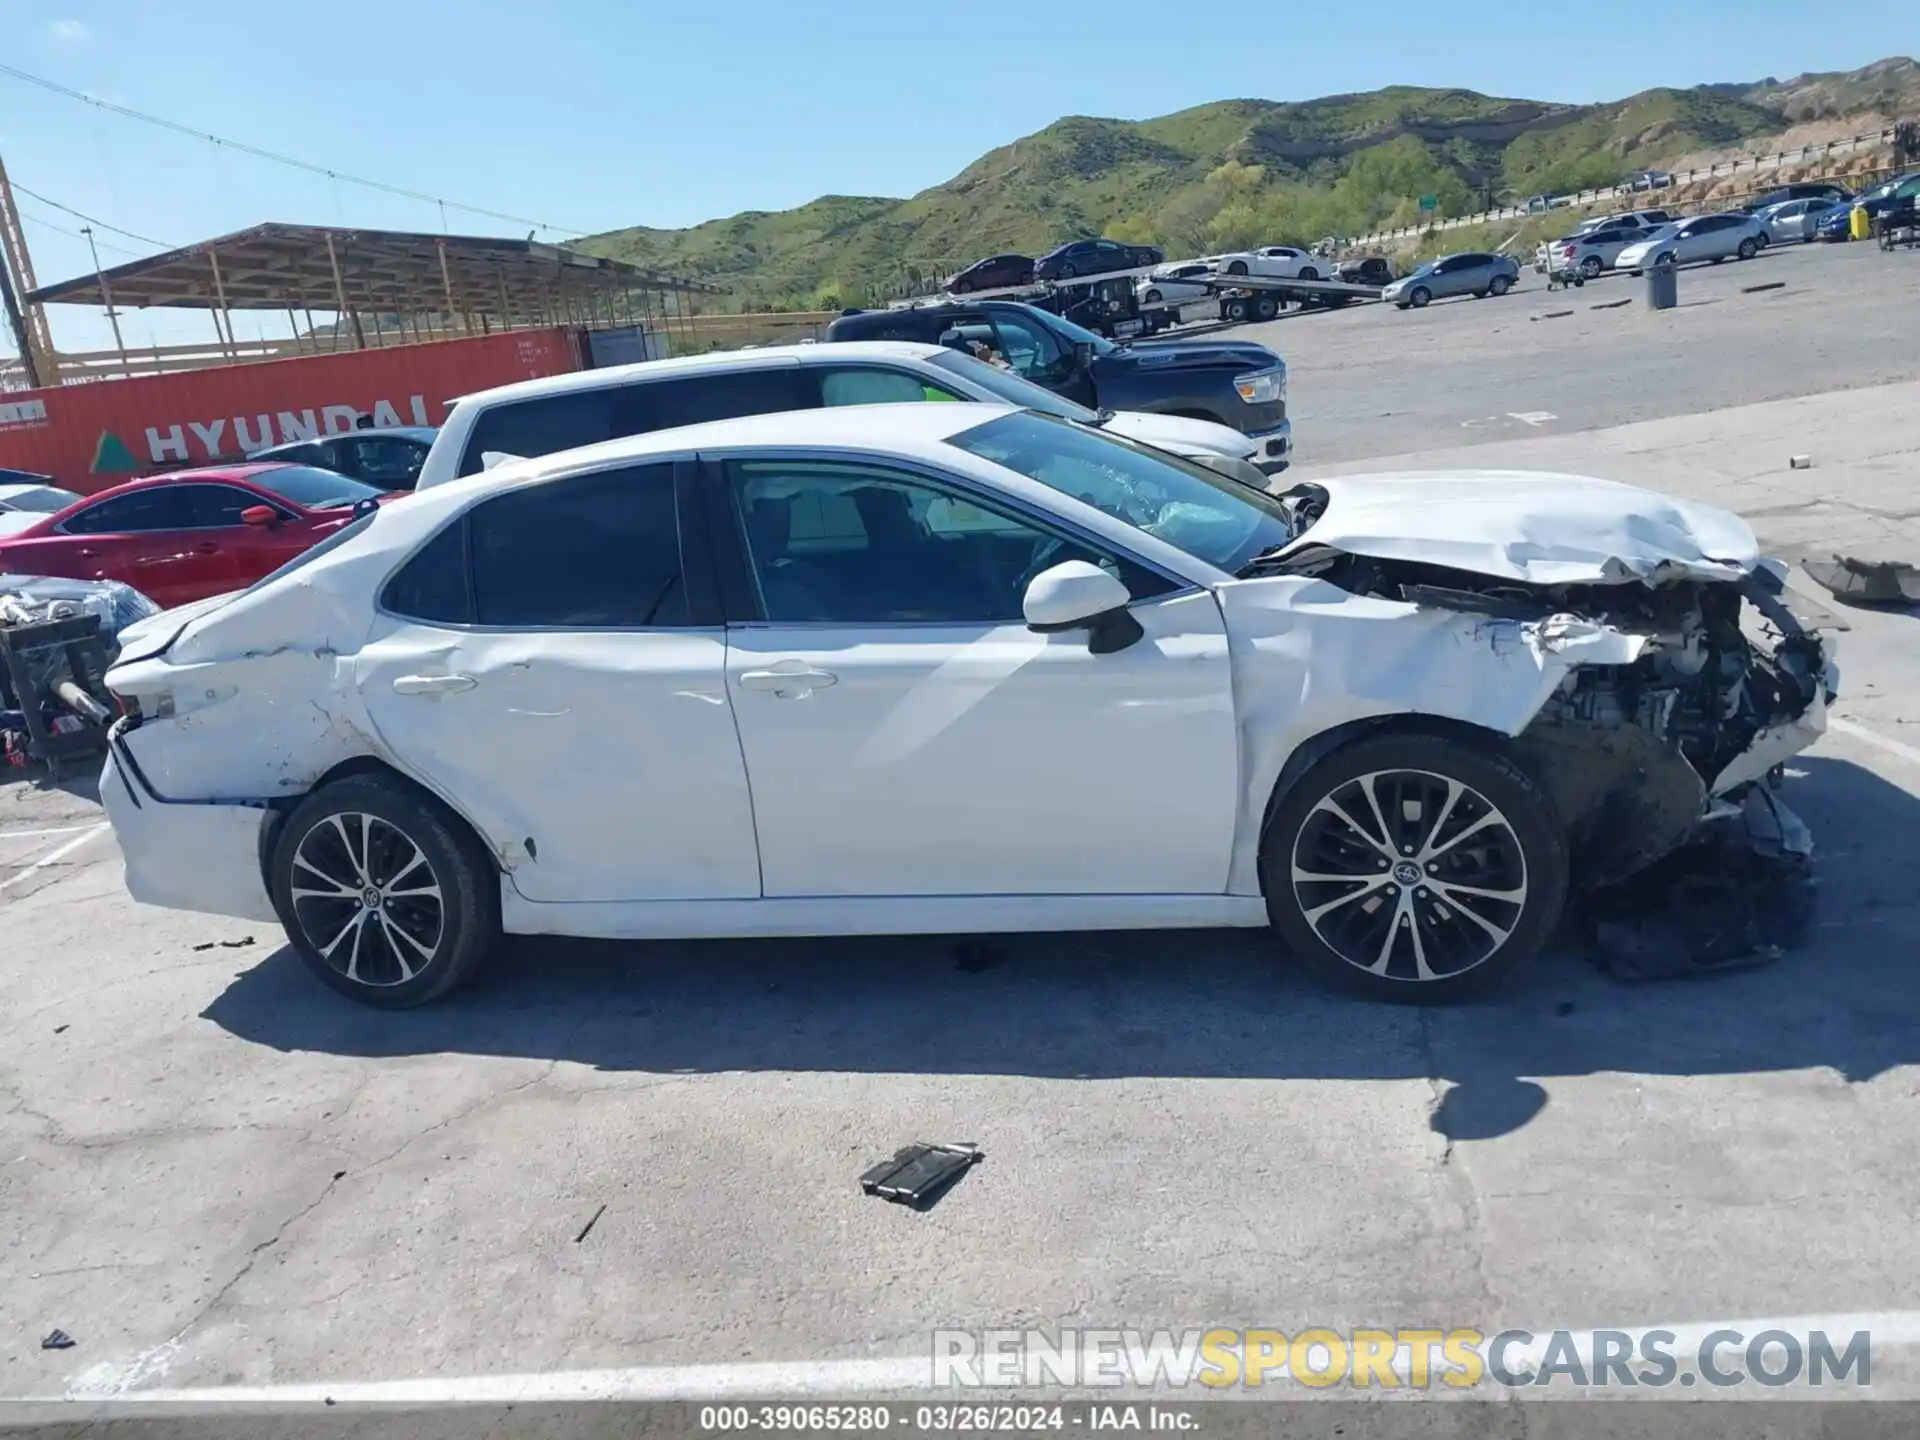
[(185, 855)]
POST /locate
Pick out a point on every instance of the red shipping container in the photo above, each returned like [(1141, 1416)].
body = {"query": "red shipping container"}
[(88, 437)]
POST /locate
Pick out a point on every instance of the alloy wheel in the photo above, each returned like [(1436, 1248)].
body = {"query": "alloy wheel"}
[(367, 899), (1409, 875)]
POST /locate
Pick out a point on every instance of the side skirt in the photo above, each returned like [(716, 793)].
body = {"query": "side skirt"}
[(883, 915)]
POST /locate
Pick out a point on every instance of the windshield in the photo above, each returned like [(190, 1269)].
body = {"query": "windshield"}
[(1011, 388), (42, 500), (314, 488), (1205, 514)]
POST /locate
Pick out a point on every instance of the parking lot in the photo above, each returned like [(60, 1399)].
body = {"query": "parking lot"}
[(1373, 380), (617, 1158)]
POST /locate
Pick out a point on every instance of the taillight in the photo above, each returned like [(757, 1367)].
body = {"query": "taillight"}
[(1568, 251)]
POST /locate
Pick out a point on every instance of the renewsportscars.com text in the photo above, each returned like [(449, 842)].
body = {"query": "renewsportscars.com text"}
[(1461, 1358)]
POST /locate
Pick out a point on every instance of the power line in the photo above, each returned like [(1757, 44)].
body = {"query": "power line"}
[(46, 224), (279, 159), (97, 224)]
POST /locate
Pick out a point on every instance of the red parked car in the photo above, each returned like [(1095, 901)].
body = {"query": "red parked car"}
[(182, 537)]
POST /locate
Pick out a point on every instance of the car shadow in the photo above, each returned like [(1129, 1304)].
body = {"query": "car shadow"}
[(1171, 1004)]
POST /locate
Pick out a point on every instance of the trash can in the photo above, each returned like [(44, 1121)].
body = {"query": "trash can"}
[(1663, 290), (1859, 224)]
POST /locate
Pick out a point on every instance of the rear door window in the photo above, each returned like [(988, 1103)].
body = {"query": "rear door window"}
[(589, 552), (539, 426), (128, 514), (545, 426)]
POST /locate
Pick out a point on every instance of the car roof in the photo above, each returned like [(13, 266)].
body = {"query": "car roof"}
[(248, 471), (28, 489), (643, 372), (422, 433), (909, 429)]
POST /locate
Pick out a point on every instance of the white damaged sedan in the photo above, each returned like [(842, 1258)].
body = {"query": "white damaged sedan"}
[(955, 668)]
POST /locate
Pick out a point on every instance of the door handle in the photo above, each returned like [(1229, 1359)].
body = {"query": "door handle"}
[(788, 680), (432, 684)]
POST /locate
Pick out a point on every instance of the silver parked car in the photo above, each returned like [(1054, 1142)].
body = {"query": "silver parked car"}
[(1587, 255), (1473, 273), (1797, 220), (1704, 237)]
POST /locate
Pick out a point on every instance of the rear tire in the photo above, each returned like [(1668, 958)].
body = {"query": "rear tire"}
[(1499, 286), (1237, 267), (1266, 307), (385, 894), (1236, 311), (1153, 297), (1413, 912), (1591, 267)]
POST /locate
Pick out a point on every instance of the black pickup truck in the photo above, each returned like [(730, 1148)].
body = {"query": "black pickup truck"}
[(1230, 382)]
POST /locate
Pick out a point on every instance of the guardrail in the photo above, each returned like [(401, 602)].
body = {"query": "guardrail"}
[(1745, 165)]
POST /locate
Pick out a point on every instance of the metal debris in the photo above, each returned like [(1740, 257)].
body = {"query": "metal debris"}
[(1856, 578), (918, 1175), (57, 1340), (1738, 894), (1800, 462)]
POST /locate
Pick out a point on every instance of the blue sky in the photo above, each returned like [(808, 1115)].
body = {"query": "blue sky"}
[(591, 114)]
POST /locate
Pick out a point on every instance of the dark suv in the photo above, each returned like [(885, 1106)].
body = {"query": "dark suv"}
[(1231, 382)]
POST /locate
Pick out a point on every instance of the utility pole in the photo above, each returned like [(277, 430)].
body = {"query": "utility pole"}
[(29, 323), (113, 315)]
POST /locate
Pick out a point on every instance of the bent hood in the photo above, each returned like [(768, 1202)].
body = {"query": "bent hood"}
[(1180, 434), (1541, 529)]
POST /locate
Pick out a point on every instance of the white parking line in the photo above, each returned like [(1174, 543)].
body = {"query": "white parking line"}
[(42, 834), (56, 855), (1854, 730), (95, 1393)]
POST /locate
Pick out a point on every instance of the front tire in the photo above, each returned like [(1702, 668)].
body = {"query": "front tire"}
[(1308, 273), (1499, 286), (1591, 267), (1420, 297), (1153, 297), (1748, 249), (1415, 868), (387, 897)]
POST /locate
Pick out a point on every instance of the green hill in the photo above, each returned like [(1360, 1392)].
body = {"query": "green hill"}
[(1232, 173)]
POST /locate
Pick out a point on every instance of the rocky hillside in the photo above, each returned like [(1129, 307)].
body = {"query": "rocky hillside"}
[(1238, 172)]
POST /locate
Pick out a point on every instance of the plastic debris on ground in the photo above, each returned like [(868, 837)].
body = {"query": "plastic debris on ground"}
[(31, 599), (918, 1175), (57, 1340), (1738, 894)]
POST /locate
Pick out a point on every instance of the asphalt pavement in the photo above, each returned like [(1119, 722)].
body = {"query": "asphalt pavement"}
[(610, 1162), (1373, 380)]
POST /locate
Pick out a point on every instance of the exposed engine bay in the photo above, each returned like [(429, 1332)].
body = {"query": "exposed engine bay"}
[(1730, 678)]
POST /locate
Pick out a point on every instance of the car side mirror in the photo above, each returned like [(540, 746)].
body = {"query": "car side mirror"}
[(263, 517), (1083, 354), (1075, 595)]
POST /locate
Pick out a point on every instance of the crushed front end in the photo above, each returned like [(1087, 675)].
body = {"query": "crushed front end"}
[(1730, 678)]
